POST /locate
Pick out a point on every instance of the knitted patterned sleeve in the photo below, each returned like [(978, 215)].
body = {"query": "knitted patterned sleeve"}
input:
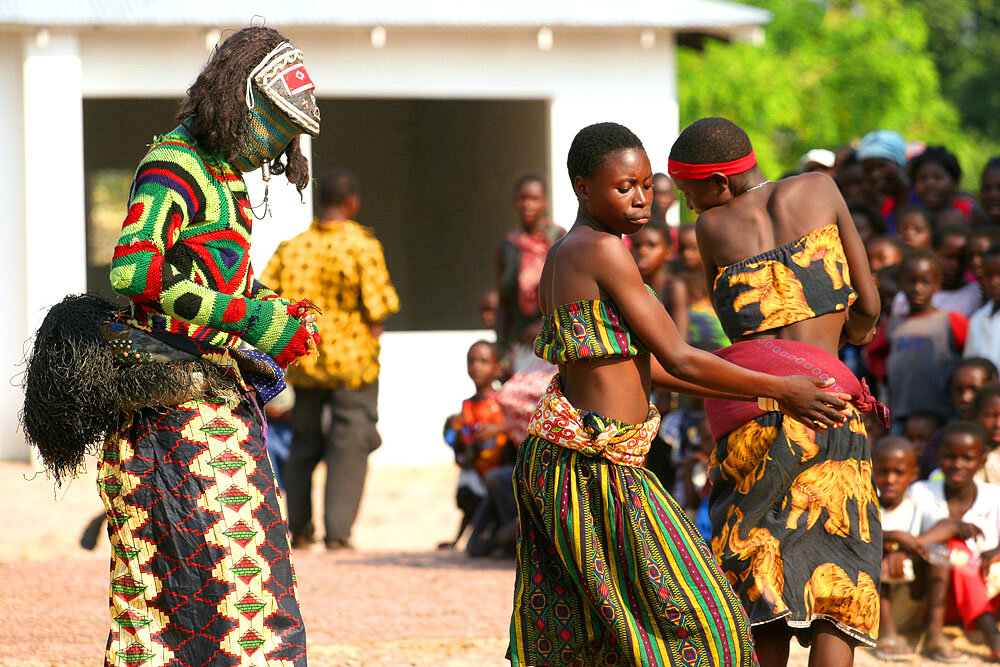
[(378, 296), (169, 193)]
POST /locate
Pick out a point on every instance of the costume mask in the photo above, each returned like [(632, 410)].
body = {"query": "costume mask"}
[(282, 106)]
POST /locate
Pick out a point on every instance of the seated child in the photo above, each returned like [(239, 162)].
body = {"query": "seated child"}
[(919, 350), (478, 434), (987, 406), (958, 510), (894, 462)]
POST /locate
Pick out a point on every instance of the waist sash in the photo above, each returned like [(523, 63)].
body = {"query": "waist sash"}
[(556, 420), (786, 357)]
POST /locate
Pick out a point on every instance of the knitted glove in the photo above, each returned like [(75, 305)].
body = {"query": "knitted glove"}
[(272, 327)]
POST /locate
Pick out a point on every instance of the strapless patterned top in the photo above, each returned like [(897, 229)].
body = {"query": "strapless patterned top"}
[(791, 283), (586, 331)]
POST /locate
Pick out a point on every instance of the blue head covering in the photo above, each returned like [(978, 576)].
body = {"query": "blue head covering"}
[(887, 144)]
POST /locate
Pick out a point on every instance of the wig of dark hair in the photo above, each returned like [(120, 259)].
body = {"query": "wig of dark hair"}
[(530, 178), (335, 185), (711, 140), (594, 143), (215, 109), (76, 394), (877, 222), (983, 364), (939, 155)]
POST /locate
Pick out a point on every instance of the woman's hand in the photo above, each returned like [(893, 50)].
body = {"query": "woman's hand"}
[(803, 399)]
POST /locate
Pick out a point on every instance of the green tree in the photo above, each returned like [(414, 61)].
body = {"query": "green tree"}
[(828, 73)]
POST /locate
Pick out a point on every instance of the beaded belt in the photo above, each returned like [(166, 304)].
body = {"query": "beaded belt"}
[(589, 433)]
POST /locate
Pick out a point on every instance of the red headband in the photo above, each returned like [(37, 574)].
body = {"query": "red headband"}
[(694, 172)]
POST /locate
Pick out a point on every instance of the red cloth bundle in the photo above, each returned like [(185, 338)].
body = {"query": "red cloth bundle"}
[(786, 357)]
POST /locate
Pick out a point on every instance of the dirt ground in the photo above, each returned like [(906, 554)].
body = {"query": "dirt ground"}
[(395, 600)]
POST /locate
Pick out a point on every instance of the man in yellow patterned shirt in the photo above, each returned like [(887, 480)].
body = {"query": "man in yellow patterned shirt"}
[(340, 266)]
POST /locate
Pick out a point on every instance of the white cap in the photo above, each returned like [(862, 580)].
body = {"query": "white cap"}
[(819, 156)]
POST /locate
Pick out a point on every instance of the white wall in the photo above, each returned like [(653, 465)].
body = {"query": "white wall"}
[(13, 307)]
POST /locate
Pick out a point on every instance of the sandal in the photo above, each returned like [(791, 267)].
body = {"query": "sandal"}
[(944, 652), (894, 649)]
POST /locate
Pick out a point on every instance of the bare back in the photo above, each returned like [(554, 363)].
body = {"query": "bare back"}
[(773, 216)]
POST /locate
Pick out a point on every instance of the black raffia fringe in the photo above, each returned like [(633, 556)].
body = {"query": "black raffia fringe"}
[(76, 394)]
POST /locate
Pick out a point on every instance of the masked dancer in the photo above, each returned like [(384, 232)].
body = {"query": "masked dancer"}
[(172, 388)]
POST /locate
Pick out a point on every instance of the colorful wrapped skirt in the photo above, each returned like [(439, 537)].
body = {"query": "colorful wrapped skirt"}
[(795, 516), (201, 572), (610, 571)]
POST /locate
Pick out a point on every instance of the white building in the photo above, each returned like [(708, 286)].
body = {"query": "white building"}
[(438, 105)]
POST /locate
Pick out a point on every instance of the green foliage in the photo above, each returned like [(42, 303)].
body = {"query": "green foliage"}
[(828, 73)]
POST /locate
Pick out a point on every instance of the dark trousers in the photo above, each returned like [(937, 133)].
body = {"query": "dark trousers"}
[(336, 426)]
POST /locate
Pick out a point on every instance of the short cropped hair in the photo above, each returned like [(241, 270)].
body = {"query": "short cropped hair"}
[(711, 140), (985, 393), (874, 217), (983, 364), (915, 255), (335, 185), (593, 144), (530, 178), (939, 155), (964, 426), (893, 443)]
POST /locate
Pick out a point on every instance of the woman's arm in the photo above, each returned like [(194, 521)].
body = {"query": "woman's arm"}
[(863, 313), (616, 273), (664, 380)]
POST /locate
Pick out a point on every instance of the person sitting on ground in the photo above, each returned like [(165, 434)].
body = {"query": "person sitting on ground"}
[(984, 325), (920, 350), (478, 434), (894, 463), (987, 405), (988, 211), (958, 510), (935, 175), (884, 251)]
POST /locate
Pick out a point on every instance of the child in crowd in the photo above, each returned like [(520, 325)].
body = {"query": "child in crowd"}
[(971, 375), (653, 251), (981, 239), (884, 251), (916, 227), (478, 434), (917, 353), (984, 325), (894, 463), (989, 193), (955, 293), (923, 429), (987, 407), (489, 309), (869, 223), (935, 175), (964, 513)]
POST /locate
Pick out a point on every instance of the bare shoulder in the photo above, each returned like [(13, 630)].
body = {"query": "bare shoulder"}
[(808, 185)]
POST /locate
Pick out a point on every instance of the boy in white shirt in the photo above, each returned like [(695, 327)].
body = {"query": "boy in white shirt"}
[(956, 508)]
